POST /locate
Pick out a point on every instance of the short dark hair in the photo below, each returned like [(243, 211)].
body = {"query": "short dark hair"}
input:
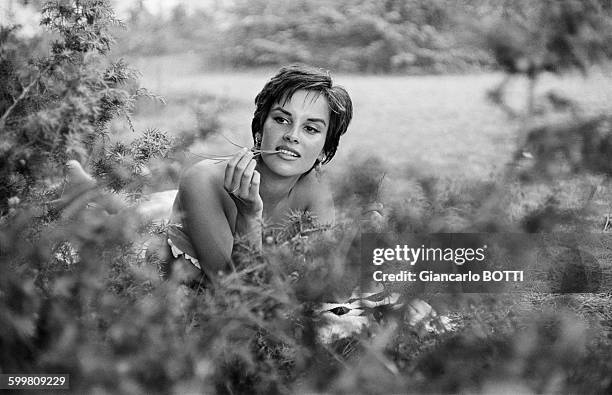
[(290, 79)]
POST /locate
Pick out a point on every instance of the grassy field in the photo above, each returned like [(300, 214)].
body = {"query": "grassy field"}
[(419, 126), (105, 316), (85, 291), (433, 125)]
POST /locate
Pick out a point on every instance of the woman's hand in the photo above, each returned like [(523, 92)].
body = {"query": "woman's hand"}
[(242, 183)]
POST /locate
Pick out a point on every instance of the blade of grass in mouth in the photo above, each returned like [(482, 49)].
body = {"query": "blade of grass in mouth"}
[(225, 157), (230, 141), (254, 150)]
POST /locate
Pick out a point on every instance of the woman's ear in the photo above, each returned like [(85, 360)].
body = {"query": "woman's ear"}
[(321, 158)]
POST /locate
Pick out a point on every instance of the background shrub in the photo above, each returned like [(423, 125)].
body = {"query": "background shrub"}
[(78, 296)]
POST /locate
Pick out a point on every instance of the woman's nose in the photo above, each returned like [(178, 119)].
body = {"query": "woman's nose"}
[(291, 135)]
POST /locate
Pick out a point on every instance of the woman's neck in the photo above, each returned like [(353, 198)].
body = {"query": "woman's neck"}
[(272, 187)]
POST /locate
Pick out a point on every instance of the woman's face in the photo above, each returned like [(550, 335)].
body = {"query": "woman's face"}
[(297, 130)]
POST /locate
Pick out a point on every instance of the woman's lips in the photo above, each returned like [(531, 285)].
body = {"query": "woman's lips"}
[(287, 152)]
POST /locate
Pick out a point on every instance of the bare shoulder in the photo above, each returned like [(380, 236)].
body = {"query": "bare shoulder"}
[(314, 193), (203, 175), (201, 196), (202, 186), (312, 185)]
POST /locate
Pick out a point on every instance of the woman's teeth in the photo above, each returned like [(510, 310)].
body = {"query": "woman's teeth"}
[(288, 152)]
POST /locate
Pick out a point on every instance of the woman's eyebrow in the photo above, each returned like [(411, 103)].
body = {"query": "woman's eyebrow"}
[(278, 108), (317, 120)]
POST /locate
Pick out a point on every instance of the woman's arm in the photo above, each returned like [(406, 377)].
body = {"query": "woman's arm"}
[(205, 220), (241, 181), (209, 215)]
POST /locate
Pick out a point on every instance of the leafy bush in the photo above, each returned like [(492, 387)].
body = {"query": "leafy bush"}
[(78, 296), (57, 107)]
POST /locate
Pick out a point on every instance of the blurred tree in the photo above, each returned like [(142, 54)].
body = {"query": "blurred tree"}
[(58, 106), (548, 36), (553, 37), (364, 35)]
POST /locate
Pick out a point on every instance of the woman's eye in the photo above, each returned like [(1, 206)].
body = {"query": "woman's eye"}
[(281, 120), (312, 130)]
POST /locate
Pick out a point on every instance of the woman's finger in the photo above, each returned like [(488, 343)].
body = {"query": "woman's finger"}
[(229, 171), (254, 190), (231, 168), (239, 170), (245, 181)]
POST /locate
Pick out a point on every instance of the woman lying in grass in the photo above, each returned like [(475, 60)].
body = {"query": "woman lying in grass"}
[(299, 118)]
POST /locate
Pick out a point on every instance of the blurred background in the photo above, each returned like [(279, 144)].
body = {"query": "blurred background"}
[(471, 116), (418, 72)]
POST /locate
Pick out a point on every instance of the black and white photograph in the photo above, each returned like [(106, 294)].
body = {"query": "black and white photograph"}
[(305, 197)]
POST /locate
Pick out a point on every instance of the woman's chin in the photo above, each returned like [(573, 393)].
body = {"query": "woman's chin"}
[(286, 171), (286, 168)]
